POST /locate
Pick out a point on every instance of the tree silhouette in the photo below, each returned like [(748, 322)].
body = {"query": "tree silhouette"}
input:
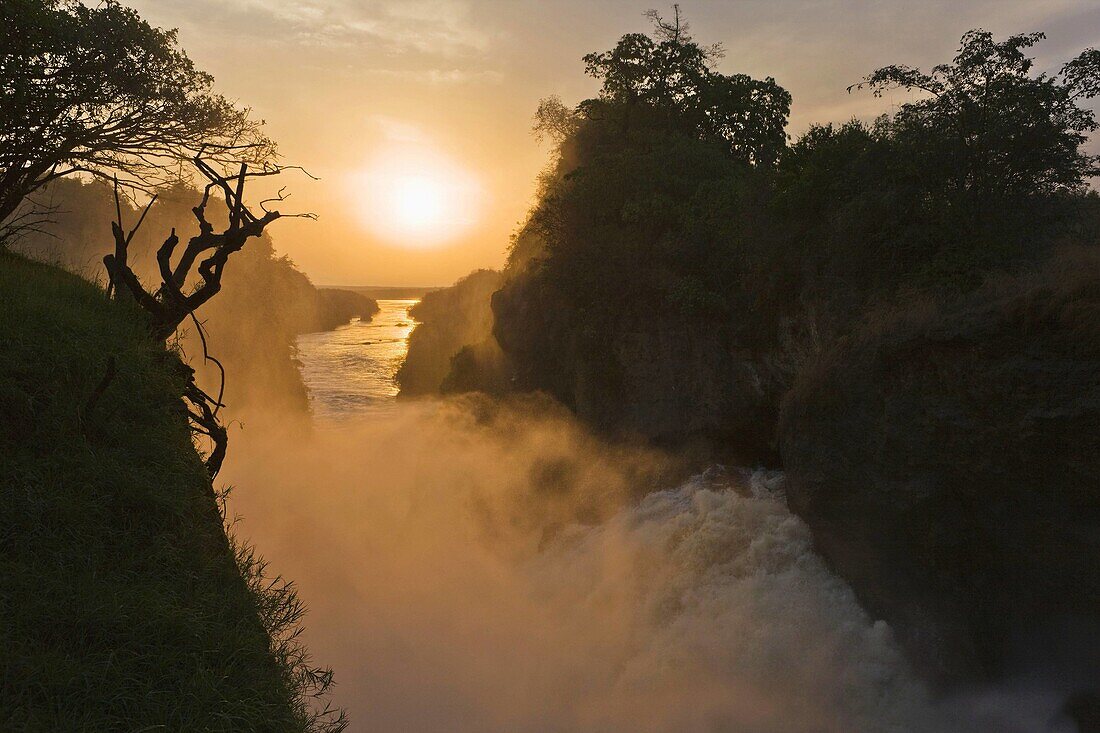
[(671, 75), (98, 90), (176, 299), (989, 126)]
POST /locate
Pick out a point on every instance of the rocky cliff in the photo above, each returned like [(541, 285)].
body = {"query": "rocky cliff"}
[(947, 458), (449, 319), (642, 373)]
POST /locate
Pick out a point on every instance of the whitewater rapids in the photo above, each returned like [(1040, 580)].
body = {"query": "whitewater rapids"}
[(499, 573)]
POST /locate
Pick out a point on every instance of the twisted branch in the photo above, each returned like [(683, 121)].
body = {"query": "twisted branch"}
[(170, 305)]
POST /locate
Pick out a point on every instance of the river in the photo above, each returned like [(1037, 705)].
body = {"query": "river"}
[(350, 371)]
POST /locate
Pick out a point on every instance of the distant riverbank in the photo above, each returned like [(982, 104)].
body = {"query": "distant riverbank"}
[(389, 292)]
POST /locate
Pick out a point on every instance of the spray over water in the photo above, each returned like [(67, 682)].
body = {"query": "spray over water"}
[(454, 587), (479, 566)]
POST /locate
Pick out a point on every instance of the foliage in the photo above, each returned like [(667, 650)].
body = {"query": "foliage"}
[(96, 89), (652, 219), (987, 127), (646, 173), (985, 172), (554, 121), (670, 76), (123, 607)]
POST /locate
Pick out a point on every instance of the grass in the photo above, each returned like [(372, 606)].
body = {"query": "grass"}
[(123, 603)]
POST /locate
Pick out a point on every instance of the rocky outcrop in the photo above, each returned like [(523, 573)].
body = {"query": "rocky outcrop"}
[(947, 459), (649, 374), (449, 319), (336, 307)]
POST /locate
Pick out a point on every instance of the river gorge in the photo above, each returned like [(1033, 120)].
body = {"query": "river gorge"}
[(481, 565)]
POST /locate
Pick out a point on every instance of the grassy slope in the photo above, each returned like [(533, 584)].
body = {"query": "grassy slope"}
[(121, 606)]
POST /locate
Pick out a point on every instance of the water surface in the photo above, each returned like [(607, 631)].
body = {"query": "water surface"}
[(350, 371)]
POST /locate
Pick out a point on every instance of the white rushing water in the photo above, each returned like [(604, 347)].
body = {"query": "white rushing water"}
[(418, 536)]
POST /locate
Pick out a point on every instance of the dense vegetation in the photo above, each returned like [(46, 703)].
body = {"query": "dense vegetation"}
[(123, 606), (94, 88), (675, 210)]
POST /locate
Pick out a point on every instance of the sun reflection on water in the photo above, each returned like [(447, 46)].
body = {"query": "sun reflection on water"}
[(351, 370)]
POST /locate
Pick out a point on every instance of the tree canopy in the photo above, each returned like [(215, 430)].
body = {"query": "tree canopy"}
[(987, 124), (674, 193), (96, 89), (671, 74)]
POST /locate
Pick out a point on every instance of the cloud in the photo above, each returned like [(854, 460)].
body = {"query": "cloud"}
[(436, 27), (441, 76), (393, 129)]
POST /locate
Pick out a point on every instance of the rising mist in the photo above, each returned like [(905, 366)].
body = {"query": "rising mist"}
[(481, 567)]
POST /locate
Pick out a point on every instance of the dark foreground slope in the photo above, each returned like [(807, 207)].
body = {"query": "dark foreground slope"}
[(122, 606)]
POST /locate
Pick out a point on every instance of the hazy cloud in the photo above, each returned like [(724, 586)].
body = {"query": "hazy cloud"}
[(393, 129), (438, 27), (441, 76)]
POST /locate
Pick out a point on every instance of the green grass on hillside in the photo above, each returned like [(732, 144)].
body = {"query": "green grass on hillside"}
[(121, 604)]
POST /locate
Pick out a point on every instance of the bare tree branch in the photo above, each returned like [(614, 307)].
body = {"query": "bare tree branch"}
[(171, 304)]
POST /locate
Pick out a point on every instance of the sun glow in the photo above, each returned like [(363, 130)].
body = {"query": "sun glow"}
[(415, 197)]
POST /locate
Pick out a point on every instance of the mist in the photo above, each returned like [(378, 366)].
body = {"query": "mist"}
[(479, 566)]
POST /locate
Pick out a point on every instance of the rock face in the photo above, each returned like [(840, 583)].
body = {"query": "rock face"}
[(449, 320), (648, 374), (948, 462), (336, 307)]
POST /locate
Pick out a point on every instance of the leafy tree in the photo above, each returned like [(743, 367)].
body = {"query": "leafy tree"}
[(981, 172), (554, 121), (672, 75), (648, 210), (98, 90), (984, 171), (990, 127), (643, 165)]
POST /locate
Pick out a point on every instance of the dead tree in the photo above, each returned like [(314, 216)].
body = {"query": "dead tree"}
[(174, 300)]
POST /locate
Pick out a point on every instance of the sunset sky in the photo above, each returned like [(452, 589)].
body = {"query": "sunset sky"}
[(416, 114)]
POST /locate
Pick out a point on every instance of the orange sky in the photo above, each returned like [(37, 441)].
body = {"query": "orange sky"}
[(342, 83)]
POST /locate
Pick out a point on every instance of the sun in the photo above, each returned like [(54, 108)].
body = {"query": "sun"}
[(416, 197), (419, 203)]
